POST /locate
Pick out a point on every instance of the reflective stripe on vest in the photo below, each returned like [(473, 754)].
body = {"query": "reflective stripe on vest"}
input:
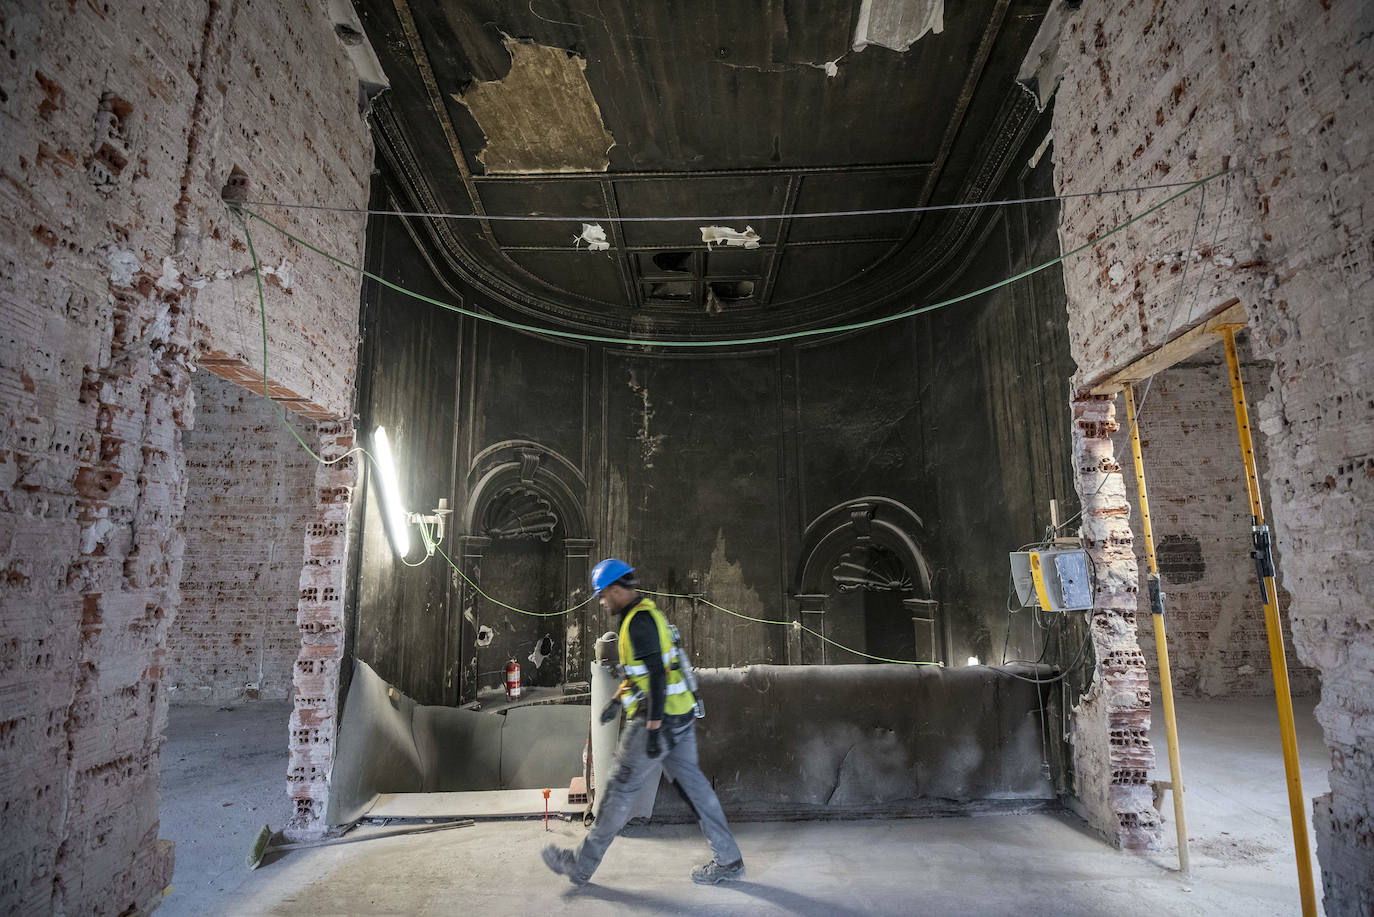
[(679, 699), (668, 659), (633, 699)]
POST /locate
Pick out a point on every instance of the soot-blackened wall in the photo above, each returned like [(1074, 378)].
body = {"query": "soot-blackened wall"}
[(905, 460)]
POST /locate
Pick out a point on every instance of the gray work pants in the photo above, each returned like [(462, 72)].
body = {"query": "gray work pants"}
[(632, 767)]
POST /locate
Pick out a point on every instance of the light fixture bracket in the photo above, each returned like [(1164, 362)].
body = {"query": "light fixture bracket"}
[(431, 524)]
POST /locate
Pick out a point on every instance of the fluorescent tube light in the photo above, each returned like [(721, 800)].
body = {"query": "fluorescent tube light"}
[(392, 509)]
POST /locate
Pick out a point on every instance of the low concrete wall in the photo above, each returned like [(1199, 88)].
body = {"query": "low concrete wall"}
[(390, 744), (825, 741), (778, 742), (376, 750)]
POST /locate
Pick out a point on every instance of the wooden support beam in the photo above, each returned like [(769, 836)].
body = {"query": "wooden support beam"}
[(1173, 352)]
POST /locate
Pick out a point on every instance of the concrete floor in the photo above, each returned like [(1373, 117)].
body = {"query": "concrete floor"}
[(1027, 865)]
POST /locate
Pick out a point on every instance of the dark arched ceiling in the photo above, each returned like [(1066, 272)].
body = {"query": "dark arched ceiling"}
[(612, 111)]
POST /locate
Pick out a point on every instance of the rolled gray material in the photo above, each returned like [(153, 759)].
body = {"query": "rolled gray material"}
[(605, 680)]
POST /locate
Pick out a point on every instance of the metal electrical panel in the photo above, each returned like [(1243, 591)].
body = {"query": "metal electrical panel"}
[(1056, 579)]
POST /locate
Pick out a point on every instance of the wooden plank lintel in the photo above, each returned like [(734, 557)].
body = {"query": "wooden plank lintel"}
[(1175, 351)]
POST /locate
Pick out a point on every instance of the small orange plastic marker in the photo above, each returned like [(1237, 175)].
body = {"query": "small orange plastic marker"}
[(546, 810)]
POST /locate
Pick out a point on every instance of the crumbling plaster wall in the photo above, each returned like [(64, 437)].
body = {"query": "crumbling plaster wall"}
[(1280, 93), (249, 500), (119, 271)]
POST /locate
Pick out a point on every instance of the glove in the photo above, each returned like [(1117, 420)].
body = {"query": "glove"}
[(610, 712), (661, 742)]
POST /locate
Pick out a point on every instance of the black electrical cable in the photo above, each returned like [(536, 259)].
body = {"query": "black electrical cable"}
[(1063, 674)]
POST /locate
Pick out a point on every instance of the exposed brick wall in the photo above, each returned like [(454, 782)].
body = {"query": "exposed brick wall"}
[(118, 125), (249, 498), (319, 615), (1281, 93), (1110, 727), (1214, 619)]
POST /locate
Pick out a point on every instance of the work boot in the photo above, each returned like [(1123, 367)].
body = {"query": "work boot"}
[(713, 873), (563, 862)]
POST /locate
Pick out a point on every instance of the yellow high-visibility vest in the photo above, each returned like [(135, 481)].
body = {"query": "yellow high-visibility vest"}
[(679, 699)]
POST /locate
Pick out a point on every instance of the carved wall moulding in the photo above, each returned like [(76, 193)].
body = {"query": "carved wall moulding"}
[(871, 569), (518, 512)]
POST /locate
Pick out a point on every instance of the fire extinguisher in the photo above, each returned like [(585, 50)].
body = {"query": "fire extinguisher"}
[(512, 680)]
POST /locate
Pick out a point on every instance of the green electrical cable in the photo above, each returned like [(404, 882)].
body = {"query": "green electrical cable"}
[(733, 342), (705, 601), (868, 655), (425, 536), (262, 312), (240, 213), (796, 624), (496, 601)]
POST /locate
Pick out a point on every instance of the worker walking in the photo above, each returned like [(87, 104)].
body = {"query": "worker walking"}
[(660, 725)]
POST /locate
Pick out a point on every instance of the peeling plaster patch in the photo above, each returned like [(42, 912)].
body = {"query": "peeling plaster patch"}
[(284, 272), (95, 534), (572, 636), (123, 266), (595, 237), (1043, 68), (1213, 677), (161, 327), (896, 24), (541, 117), (724, 235), (649, 443), (618, 516), (724, 582), (171, 277)]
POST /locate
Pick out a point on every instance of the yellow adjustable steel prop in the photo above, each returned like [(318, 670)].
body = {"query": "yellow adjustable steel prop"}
[(1166, 682), (1264, 563)]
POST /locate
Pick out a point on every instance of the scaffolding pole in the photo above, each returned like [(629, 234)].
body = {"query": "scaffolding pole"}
[(1264, 565), (1166, 681)]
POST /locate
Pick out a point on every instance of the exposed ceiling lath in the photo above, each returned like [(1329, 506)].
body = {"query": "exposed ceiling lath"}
[(541, 117)]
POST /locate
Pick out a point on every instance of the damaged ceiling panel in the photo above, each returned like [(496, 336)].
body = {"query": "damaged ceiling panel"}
[(655, 118), (897, 24), (541, 117)]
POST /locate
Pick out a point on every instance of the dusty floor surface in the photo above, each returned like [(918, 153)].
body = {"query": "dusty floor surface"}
[(223, 778), (1024, 865)]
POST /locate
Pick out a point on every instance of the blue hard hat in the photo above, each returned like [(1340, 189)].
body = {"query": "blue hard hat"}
[(607, 572)]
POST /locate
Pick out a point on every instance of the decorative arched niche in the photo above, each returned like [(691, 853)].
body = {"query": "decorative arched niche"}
[(525, 544), (864, 557)]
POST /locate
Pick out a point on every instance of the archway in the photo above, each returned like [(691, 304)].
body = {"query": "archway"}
[(527, 545), (864, 583)]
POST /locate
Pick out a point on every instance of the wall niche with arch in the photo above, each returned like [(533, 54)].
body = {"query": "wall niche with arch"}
[(524, 545), (864, 584)]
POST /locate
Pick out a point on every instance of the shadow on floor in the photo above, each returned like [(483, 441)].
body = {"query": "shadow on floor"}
[(788, 901)]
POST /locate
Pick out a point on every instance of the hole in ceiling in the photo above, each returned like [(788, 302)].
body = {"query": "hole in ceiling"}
[(674, 262), (677, 290), (733, 290)]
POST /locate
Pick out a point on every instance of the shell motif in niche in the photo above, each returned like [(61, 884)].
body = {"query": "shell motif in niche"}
[(870, 569), (518, 512)]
